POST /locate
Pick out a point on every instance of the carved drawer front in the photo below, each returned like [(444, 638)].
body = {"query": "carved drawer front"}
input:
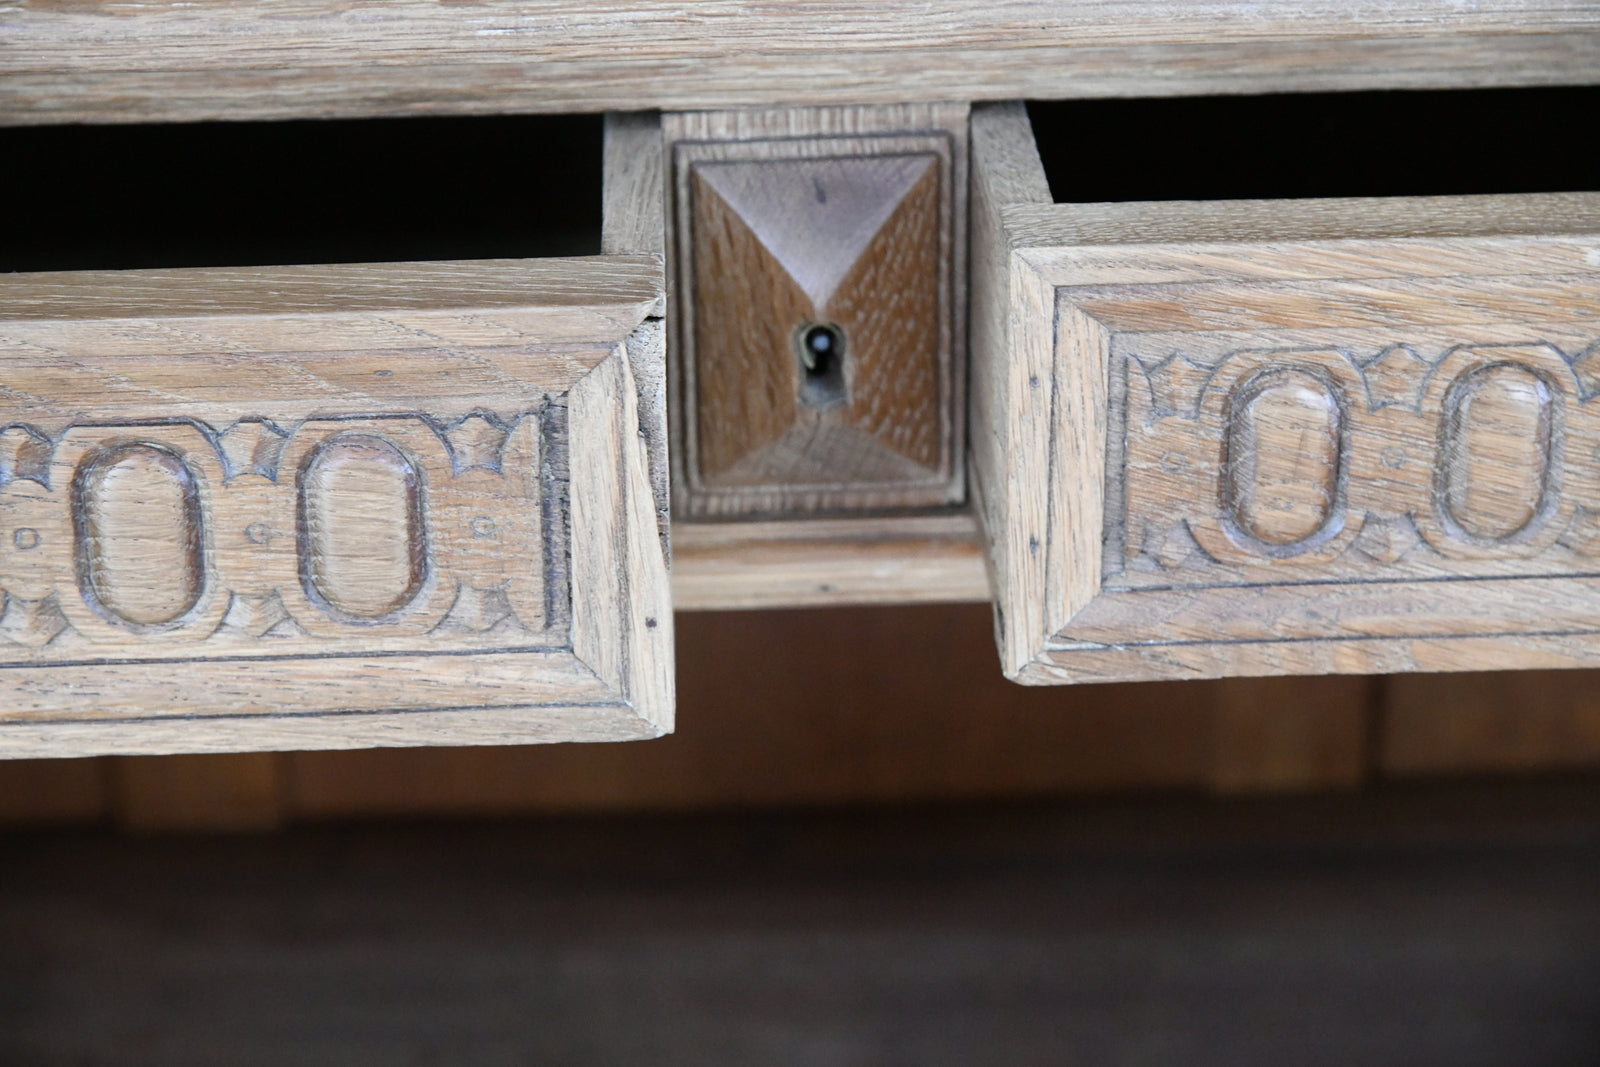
[(336, 506), (1284, 437)]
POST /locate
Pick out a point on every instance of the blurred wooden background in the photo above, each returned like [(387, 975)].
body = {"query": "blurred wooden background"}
[(871, 705)]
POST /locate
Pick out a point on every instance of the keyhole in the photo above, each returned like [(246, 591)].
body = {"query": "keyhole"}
[(821, 350)]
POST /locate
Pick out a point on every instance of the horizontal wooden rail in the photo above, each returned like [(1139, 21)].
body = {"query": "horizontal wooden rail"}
[(935, 558), (100, 61)]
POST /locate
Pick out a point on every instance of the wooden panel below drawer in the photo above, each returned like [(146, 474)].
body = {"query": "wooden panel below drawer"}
[(330, 507), (1285, 437)]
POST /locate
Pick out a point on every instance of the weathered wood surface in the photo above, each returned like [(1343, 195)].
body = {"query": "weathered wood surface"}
[(880, 560), (1285, 437), (820, 355), (100, 61), (330, 507)]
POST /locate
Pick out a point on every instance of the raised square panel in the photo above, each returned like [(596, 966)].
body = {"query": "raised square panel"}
[(329, 507), (820, 326), (1284, 437)]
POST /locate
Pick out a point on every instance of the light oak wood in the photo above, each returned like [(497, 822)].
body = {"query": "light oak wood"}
[(633, 225), (100, 61), (1337, 436), (330, 507), (906, 559), (792, 225)]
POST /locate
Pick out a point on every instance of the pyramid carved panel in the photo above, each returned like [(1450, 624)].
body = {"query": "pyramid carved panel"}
[(819, 363)]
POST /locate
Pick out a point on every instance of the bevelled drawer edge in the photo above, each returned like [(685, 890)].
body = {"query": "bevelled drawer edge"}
[(1152, 383), (332, 519)]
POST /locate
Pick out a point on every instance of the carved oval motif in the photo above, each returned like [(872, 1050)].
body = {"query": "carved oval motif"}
[(1283, 456), (1495, 450), (363, 538), (140, 534)]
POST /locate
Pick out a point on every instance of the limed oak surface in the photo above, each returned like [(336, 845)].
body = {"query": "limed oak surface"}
[(1350, 436), (102, 61), (331, 507)]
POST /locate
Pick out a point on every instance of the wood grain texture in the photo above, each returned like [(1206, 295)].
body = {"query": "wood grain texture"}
[(633, 224), (98, 61), (885, 560), (848, 223), (633, 219), (307, 507), (1286, 437)]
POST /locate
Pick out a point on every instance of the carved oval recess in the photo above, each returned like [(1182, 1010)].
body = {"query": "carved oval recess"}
[(1283, 456), (1495, 451), (363, 539), (139, 534)]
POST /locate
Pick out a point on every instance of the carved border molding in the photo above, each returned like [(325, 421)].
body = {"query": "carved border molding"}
[(1401, 460), (256, 525), (1282, 437), (334, 507)]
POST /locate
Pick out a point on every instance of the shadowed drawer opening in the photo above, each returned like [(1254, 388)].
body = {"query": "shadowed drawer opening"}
[(254, 193), (1451, 142), (221, 194)]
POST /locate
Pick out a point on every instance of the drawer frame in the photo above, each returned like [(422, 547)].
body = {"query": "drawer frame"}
[(522, 403), (1049, 282)]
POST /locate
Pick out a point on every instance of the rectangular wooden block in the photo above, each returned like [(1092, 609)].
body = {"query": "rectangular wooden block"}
[(309, 507), (101, 61), (1285, 437), (819, 359)]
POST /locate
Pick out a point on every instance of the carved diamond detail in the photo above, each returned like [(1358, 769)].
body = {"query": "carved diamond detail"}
[(1586, 366), (476, 441), (33, 623), (1394, 376), (1176, 385), (1171, 546), (1387, 540), (1583, 534), (479, 610), (24, 454), (260, 616), (819, 343), (252, 446)]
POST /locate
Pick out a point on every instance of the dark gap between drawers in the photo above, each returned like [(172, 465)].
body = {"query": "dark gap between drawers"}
[(252, 193), (1449, 142)]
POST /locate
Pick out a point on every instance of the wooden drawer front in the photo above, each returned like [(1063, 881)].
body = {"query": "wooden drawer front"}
[(327, 507), (1284, 437)]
